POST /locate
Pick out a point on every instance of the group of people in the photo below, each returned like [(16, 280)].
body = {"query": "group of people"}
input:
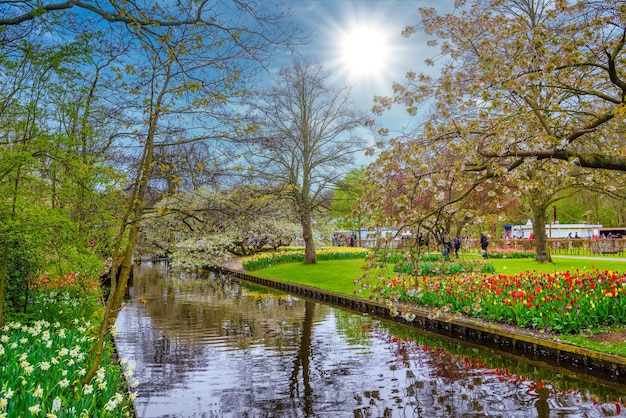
[(340, 239), (454, 245), (451, 245)]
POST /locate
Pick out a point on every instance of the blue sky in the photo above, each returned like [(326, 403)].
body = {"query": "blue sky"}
[(331, 22)]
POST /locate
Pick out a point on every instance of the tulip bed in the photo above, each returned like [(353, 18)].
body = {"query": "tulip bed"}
[(43, 363), (564, 302)]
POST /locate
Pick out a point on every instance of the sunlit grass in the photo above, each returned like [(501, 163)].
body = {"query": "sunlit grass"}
[(338, 275)]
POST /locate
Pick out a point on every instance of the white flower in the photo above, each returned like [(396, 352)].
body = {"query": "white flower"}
[(56, 404), (3, 403), (44, 365), (88, 389), (64, 383), (4, 339), (111, 404), (35, 409), (38, 393)]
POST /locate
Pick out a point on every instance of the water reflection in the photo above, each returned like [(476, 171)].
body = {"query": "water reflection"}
[(212, 347)]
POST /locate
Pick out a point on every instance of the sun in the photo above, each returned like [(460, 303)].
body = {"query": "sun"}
[(365, 50)]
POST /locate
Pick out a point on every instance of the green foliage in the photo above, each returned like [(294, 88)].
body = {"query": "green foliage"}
[(510, 253)]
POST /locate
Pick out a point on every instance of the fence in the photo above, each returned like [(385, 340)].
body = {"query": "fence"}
[(574, 246)]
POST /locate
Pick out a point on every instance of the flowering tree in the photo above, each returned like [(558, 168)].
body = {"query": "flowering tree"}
[(524, 80), (203, 227)]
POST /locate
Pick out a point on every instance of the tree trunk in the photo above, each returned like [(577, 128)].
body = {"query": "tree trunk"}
[(539, 230), (307, 235), (5, 251)]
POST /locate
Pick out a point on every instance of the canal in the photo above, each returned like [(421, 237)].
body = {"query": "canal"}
[(215, 347)]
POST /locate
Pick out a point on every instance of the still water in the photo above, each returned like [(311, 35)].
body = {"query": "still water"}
[(214, 347)]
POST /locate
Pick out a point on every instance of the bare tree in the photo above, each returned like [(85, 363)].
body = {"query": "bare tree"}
[(305, 141)]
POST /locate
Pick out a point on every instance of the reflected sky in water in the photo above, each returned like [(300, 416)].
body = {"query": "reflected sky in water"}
[(212, 347)]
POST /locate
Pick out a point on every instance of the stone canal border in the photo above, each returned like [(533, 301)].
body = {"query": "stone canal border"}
[(515, 342)]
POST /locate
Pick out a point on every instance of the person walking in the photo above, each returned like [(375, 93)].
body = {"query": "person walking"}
[(484, 243), (456, 244)]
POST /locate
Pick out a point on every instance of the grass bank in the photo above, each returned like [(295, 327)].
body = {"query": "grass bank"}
[(338, 276)]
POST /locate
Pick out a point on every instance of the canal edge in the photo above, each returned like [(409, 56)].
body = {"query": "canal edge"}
[(463, 329)]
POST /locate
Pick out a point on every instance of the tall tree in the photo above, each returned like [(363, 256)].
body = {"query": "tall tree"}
[(186, 64), (305, 141), (523, 80), (527, 79)]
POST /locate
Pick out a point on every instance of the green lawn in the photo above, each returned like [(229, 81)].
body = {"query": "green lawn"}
[(338, 275)]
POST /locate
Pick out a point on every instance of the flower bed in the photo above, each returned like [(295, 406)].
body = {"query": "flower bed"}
[(295, 255), (42, 368), (562, 301), (43, 362)]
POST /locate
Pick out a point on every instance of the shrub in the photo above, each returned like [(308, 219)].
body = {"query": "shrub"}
[(510, 253)]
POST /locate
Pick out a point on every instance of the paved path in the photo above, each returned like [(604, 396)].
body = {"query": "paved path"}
[(621, 260)]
